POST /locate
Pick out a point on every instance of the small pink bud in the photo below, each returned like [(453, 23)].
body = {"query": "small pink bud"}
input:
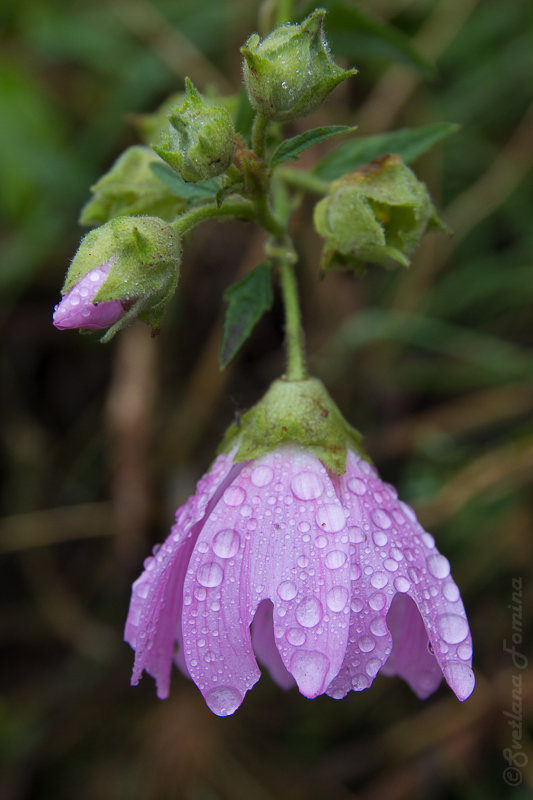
[(77, 310)]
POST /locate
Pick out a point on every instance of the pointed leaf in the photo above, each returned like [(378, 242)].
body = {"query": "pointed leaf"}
[(409, 143), (290, 149), (248, 299), (192, 192)]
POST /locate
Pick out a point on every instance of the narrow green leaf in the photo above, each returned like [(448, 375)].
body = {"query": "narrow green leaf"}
[(290, 149), (248, 299), (244, 116), (202, 190), (409, 143)]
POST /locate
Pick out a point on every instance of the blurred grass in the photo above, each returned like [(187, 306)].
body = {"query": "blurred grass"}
[(100, 444)]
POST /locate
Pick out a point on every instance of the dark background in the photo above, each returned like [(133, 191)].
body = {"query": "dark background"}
[(100, 443)]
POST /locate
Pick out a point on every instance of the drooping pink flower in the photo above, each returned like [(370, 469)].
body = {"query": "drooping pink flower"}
[(77, 309), (326, 579)]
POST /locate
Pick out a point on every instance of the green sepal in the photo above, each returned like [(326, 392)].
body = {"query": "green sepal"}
[(290, 72), (199, 139), (295, 412), (130, 188), (377, 214)]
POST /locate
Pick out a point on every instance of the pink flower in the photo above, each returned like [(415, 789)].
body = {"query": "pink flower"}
[(326, 579), (77, 310)]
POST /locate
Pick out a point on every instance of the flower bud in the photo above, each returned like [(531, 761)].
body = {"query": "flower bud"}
[(376, 214), (291, 72), (130, 188), (199, 141), (124, 269)]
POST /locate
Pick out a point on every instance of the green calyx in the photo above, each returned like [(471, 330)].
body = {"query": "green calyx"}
[(295, 412), (199, 140), (130, 188), (145, 253), (290, 72), (376, 214)]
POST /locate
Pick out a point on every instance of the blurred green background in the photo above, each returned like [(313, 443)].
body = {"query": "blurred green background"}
[(99, 444)]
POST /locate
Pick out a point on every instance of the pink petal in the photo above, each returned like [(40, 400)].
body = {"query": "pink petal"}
[(410, 658), (279, 533), (265, 648), (76, 309), (409, 563), (154, 619)]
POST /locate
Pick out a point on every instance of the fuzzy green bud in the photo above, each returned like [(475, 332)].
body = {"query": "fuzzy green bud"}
[(376, 214), (297, 412), (130, 188), (199, 141), (141, 256), (290, 73)]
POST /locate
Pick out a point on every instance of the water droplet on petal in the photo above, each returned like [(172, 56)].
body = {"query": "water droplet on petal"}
[(287, 590), (453, 628), (379, 580), (234, 496), (262, 476), (356, 605), (307, 486), (357, 486), (428, 540), (335, 559), (464, 651), (330, 518), (390, 565), (320, 542), (378, 626), (408, 511), (439, 566), (380, 538), (223, 700), (141, 587), (336, 598), (381, 518), (210, 574), (451, 592), (309, 612), (296, 636), (372, 667), (377, 601), (460, 678), (366, 644), (303, 527), (360, 682), (355, 572), (309, 669), (401, 584), (226, 543)]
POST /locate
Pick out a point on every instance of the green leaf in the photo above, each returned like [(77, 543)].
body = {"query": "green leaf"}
[(353, 34), (290, 149), (409, 143), (244, 116), (248, 299), (192, 192)]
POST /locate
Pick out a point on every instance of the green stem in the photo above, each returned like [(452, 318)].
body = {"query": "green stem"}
[(259, 130), (296, 369), (303, 180), (185, 222)]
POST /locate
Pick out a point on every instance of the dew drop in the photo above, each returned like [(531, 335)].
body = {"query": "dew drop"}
[(357, 486), (380, 538), (309, 612), (234, 496), (335, 559), (141, 587), (460, 678), (372, 667), (408, 511), (428, 540), (453, 628), (210, 574), (401, 584), (330, 517), (296, 636), (381, 518), (223, 700), (464, 651), (287, 590), (200, 593), (321, 542), (366, 644), (360, 682), (262, 476), (309, 668), (307, 486), (226, 543), (303, 527), (451, 592), (377, 601), (356, 535), (379, 580), (355, 572), (378, 626), (337, 598), (390, 565)]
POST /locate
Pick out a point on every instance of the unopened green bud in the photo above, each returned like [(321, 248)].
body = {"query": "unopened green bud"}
[(291, 72), (376, 214), (141, 257), (199, 141), (130, 188)]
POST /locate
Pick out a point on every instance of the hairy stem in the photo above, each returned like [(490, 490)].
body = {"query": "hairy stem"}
[(237, 210), (296, 369)]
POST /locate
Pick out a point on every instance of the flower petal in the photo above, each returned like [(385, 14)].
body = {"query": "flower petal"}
[(76, 309), (265, 646), (153, 622), (411, 658)]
